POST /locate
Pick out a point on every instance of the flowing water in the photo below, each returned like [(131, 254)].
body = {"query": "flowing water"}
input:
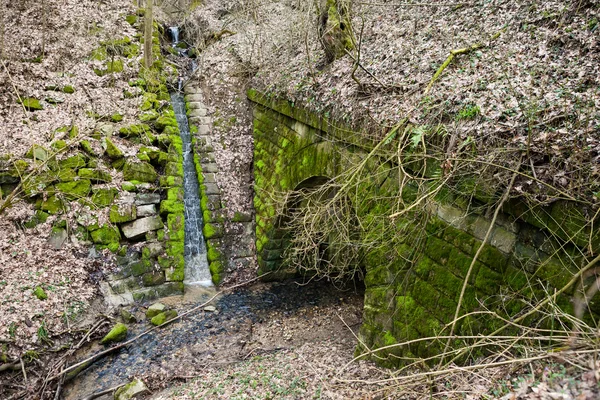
[(174, 31), (196, 264)]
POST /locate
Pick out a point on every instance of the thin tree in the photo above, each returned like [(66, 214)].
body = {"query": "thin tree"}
[(148, 35)]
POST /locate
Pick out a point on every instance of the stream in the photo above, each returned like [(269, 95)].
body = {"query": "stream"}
[(202, 338)]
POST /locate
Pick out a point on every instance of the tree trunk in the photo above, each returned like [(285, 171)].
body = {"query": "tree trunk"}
[(148, 23)]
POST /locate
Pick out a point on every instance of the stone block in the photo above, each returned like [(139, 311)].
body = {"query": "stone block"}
[(132, 390), (211, 167), (146, 210), (120, 213), (139, 171), (141, 226), (153, 278), (503, 239), (147, 198)]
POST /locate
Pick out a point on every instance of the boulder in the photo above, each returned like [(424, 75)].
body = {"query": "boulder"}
[(141, 226)]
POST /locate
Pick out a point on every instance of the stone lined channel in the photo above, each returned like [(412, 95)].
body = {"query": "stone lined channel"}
[(196, 263)]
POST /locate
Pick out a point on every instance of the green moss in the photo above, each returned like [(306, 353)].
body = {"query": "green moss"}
[(40, 293), (212, 231), (75, 162), (59, 145), (68, 89), (117, 334), (165, 120), (129, 186), (131, 19), (470, 111), (171, 206), (216, 269), (53, 205), (149, 101), (106, 235), (153, 278), (213, 254)]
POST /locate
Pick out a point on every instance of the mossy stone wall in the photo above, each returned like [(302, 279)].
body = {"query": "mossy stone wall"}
[(413, 280)]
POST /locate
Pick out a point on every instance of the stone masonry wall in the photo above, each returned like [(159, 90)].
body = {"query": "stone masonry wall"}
[(413, 280)]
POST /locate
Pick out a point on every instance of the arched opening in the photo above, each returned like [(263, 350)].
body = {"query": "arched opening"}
[(319, 232)]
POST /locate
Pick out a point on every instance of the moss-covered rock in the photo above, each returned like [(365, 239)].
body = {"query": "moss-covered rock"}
[(132, 390), (149, 101), (116, 117), (131, 19), (53, 205), (37, 152), (77, 161), (40, 293), (153, 278), (103, 197), (31, 104), (120, 213), (75, 190), (134, 130), (148, 116), (155, 309), (117, 334), (94, 175), (164, 121), (139, 171), (163, 317), (59, 145), (112, 151)]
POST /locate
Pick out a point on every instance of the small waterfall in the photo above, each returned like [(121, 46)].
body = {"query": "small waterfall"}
[(196, 263), (174, 31)]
